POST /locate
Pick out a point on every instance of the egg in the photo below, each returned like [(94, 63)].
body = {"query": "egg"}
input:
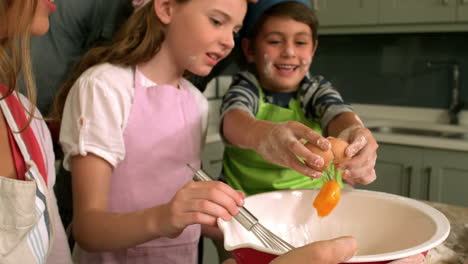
[(338, 147), (326, 155)]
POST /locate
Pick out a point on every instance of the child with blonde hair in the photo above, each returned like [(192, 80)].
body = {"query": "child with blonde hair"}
[(30, 226), (130, 124)]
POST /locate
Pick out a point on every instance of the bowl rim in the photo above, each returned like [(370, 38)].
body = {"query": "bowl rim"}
[(441, 233)]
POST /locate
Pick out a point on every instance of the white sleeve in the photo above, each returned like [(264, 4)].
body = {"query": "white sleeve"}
[(94, 118), (203, 106)]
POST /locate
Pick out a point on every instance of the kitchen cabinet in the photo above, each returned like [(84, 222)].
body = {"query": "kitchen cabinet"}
[(462, 11), (333, 12), (448, 176), (397, 170), (422, 173), (417, 11), (212, 158), (391, 16)]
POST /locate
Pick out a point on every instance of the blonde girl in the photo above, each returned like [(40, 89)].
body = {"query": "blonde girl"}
[(30, 226), (130, 123)]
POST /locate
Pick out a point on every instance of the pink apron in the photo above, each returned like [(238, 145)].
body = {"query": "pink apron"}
[(163, 134)]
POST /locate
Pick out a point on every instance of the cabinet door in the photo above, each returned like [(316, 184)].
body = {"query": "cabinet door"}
[(417, 11), (346, 12), (448, 176), (212, 158), (397, 170), (462, 11)]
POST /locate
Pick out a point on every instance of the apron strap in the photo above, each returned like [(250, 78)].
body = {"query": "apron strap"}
[(16, 118), (18, 159)]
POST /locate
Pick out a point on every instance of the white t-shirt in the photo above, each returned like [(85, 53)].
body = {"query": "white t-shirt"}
[(97, 110)]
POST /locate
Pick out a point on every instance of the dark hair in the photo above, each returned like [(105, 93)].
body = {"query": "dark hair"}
[(294, 10)]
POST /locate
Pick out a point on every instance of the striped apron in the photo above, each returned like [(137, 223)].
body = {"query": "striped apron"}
[(25, 223)]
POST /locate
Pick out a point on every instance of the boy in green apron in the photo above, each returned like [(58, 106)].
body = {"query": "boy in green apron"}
[(270, 109)]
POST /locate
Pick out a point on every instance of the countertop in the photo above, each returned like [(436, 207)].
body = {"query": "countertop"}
[(421, 118), (454, 250), (378, 114)]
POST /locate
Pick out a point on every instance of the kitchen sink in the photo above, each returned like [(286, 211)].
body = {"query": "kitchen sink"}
[(400, 130)]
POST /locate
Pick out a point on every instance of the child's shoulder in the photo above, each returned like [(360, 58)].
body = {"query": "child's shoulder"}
[(106, 79), (110, 73), (246, 79), (194, 90), (314, 78)]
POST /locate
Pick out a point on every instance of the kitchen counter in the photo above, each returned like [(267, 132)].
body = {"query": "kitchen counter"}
[(376, 114), (421, 118), (454, 250)]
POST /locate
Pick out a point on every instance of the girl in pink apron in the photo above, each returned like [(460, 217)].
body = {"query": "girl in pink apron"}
[(130, 125), (30, 227)]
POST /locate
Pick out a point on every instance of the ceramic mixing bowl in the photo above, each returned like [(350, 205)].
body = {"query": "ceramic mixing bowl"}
[(386, 226)]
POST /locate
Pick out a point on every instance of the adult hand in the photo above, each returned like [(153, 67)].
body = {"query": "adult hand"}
[(198, 203), (332, 252), (415, 259), (280, 143), (363, 153), (324, 252)]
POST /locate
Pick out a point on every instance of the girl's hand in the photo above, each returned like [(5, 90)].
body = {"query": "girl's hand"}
[(363, 153), (198, 203), (280, 143)]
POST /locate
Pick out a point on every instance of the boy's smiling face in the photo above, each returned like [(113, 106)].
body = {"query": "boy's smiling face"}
[(282, 52)]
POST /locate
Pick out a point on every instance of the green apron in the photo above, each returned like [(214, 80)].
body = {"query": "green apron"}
[(246, 170)]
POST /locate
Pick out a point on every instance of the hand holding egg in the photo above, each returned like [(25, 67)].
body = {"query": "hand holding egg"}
[(361, 154), (281, 144)]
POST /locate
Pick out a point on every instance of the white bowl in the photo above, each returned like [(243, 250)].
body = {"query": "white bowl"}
[(386, 226)]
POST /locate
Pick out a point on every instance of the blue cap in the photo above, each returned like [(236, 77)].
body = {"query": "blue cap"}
[(255, 11)]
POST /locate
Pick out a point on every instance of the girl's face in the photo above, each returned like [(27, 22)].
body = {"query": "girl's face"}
[(282, 54), (201, 32), (40, 22)]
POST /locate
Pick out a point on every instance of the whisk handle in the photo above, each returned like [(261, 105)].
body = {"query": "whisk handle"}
[(200, 175), (246, 218)]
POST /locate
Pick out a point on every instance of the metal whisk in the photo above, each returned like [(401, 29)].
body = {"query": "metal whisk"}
[(250, 222)]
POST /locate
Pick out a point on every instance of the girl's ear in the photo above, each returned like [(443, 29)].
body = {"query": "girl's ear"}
[(248, 50), (164, 9)]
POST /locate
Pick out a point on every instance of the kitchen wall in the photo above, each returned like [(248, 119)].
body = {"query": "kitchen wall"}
[(391, 69), (383, 70)]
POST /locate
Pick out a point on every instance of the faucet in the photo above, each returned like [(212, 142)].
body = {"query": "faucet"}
[(456, 105)]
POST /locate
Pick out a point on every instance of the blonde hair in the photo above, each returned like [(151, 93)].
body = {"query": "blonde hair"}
[(15, 58), (136, 42)]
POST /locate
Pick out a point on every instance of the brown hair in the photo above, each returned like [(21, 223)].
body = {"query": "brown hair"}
[(295, 10), (15, 58), (137, 41)]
